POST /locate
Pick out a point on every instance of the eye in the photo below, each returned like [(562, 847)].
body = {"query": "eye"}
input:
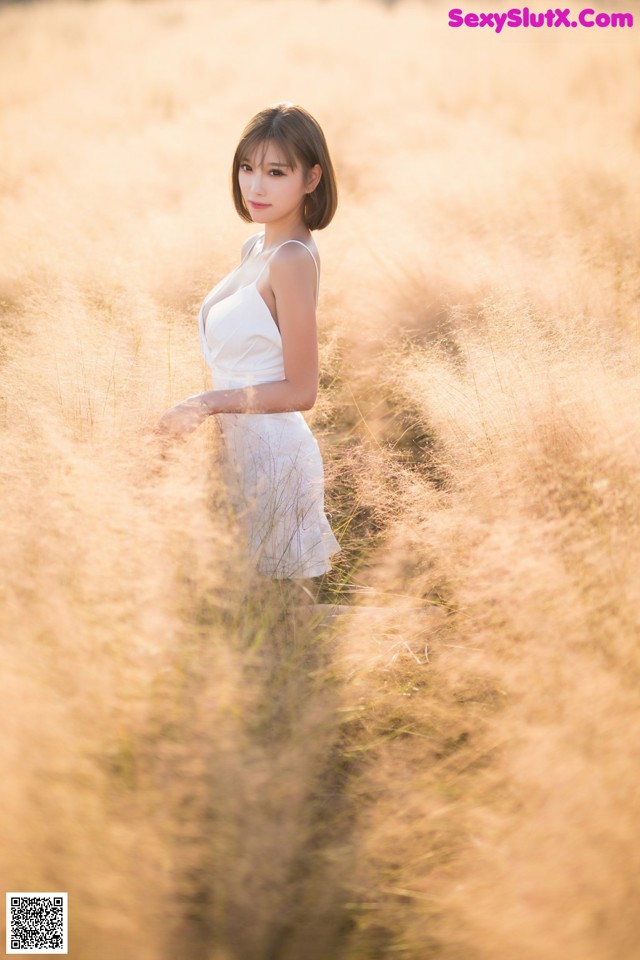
[(278, 173), (245, 166)]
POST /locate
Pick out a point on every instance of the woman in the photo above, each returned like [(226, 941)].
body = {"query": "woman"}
[(258, 334)]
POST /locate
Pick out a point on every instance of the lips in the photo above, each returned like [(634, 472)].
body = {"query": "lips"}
[(258, 206)]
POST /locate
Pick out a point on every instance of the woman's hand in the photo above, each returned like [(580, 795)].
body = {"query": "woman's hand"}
[(181, 420)]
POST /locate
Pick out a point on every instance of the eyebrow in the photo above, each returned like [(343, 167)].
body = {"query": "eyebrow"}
[(274, 164)]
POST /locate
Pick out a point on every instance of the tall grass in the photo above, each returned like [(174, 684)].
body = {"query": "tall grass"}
[(209, 770)]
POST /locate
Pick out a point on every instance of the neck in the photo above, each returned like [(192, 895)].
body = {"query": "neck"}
[(289, 228)]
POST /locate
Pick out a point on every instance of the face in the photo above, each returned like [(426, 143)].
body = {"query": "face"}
[(271, 189)]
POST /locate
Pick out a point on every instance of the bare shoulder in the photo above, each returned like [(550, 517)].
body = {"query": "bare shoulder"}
[(248, 243), (292, 260)]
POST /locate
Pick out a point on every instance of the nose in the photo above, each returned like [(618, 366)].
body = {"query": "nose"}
[(256, 181)]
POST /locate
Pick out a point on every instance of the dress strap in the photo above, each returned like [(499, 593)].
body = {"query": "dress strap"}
[(306, 248), (250, 250)]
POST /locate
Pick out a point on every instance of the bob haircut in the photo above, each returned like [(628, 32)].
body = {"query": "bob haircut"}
[(301, 141)]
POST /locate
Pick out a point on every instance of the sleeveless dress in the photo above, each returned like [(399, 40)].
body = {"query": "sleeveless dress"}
[(273, 465)]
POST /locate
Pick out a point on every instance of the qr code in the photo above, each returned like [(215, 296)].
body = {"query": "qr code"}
[(37, 923)]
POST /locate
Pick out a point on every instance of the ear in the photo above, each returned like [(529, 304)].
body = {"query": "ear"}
[(313, 177)]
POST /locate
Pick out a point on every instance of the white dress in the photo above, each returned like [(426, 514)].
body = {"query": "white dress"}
[(274, 467)]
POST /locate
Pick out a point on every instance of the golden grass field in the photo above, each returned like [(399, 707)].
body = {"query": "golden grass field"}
[(210, 775)]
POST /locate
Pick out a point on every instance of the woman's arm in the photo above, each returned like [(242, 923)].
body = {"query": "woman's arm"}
[(293, 281)]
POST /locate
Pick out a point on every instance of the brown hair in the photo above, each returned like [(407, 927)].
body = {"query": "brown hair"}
[(299, 136)]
